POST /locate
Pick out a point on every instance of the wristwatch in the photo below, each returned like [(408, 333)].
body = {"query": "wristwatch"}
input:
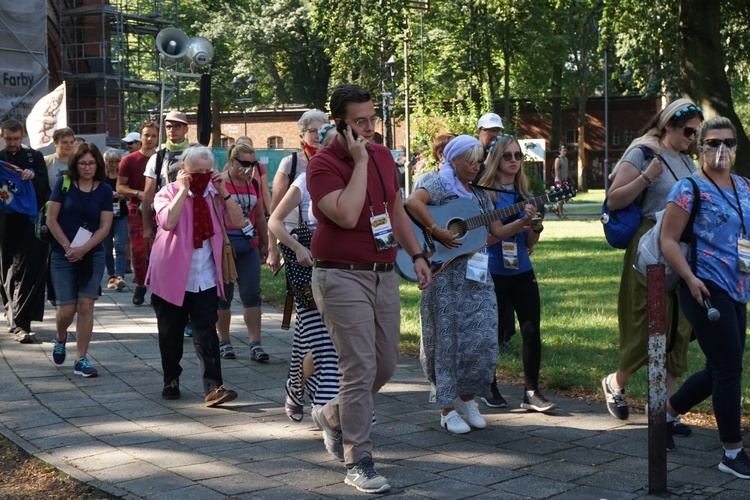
[(418, 256), (432, 227)]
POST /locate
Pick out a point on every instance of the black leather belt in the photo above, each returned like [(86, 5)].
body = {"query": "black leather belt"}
[(379, 267)]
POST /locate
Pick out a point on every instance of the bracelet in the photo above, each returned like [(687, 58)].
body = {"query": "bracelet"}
[(227, 197), (418, 256), (432, 227), (646, 178)]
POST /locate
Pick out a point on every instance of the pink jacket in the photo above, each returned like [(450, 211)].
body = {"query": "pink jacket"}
[(172, 251)]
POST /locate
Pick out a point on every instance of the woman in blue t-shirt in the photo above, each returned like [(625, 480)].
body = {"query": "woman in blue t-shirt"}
[(717, 276), (510, 266), (79, 219)]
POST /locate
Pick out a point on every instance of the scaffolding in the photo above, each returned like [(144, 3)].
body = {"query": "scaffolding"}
[(108, 59)]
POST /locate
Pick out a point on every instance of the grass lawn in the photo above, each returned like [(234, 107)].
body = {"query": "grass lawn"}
[(578, 275)]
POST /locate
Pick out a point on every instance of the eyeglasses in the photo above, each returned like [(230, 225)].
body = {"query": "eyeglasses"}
[(715, 143), (175, 126), (84, 164), (493, 130), (311, 131), (687, 109), (507, 156), (689, 132), (361, 122)]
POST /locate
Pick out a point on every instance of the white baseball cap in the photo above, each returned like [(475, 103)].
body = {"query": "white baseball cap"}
[(490, 120), (132, 137)]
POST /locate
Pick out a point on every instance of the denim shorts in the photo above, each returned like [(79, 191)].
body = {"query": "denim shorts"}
[(63, 275), (248, 274)]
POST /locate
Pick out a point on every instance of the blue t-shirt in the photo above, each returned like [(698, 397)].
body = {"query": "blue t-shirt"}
[(717, 229), (80, 209), (504, 199)]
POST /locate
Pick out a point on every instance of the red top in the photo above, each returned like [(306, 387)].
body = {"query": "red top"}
[(330, 170), (132, 166)]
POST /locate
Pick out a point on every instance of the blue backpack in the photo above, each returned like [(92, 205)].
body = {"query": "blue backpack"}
[(620, 225)]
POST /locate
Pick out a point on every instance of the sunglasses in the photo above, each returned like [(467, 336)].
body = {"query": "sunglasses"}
[(689, 132), (715, 143), (246, 164), (507, 156)]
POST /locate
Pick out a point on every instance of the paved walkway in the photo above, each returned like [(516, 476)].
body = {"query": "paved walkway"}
[(115, 432)]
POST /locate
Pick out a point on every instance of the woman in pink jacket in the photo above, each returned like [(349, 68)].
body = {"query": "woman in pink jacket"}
[(184, 272)]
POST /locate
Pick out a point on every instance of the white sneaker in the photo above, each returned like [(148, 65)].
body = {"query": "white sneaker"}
[(453, 422), (469, 410)]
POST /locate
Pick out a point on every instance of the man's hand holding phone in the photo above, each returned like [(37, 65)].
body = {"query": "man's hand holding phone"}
[(357, 144)]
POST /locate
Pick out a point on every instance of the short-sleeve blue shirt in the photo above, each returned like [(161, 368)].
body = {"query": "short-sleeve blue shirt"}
[(80, 209), (717, 229), (505, 199)]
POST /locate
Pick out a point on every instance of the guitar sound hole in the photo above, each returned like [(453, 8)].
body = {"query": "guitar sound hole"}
[(458, 228)]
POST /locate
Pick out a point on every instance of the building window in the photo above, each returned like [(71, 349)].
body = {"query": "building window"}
[(628, 136), (571, 137), (275, 142), (615, 137)]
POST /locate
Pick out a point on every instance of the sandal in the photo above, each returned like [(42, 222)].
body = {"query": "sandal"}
[(294, 411), (258, 354), (226, 351)]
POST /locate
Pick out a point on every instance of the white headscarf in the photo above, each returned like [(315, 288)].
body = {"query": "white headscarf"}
[(447, 173)]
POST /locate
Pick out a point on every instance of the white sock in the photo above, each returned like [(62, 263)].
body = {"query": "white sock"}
[(732, 454), (529, 393)]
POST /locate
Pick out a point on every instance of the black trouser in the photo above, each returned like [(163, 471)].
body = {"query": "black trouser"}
[(723, 344), (522, 291), (201, 308)]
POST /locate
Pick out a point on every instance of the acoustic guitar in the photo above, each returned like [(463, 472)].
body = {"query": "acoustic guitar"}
[(463, 218)]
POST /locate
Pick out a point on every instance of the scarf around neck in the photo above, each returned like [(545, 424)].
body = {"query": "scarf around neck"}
[(447, 173), (203, 227), (180, 146)]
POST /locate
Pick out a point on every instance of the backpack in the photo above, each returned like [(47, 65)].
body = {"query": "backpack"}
[(40, 228), (649, 248), (621, 225)]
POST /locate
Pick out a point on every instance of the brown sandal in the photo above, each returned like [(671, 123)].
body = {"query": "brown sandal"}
[(295, 412)]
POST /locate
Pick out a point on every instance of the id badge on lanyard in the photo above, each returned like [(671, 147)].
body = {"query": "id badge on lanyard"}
[(382, 230), (510, 254), (477, 267), (743, 254)]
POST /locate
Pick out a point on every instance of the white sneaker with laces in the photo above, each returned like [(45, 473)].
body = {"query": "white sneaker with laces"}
[(469, 410), (452, 422)]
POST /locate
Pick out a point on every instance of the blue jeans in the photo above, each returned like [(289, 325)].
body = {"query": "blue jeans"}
[(723, 344), (117, 239)]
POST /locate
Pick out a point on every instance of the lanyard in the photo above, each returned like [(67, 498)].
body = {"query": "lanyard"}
[(86, 204), (246, 213), (382, 184), (738, 208)]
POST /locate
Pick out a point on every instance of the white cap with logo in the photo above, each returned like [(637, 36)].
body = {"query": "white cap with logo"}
[(490, 120), (132, 137)]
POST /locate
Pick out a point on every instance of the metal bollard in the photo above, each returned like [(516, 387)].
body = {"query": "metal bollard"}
[(657, 380)]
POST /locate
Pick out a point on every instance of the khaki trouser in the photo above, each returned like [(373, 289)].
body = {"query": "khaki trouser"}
[(362, 311)]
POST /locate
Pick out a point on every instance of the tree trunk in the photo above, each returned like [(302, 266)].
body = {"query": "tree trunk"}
[(702, 75), (556, 138), (583, 183), (506, 86)]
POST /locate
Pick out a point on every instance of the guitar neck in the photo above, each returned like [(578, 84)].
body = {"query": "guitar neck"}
[(489, 217)]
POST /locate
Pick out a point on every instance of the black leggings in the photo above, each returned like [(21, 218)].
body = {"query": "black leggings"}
[(723, 344), (522, 291)]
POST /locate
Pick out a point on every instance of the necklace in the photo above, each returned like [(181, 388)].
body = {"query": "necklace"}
[(507, 184)]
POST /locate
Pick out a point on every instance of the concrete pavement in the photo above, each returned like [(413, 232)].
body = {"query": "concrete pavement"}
[(115, 432)]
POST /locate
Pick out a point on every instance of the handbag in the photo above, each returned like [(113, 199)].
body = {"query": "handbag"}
[(649, 249), (228, 255), (299, 277)]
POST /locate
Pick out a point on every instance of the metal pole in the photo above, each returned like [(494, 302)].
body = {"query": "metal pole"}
[(606, 119), (407, 139), (244, 116), (657, 380)]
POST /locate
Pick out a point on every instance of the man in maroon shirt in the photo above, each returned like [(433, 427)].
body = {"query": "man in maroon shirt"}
[(356, 199), (130, 183)]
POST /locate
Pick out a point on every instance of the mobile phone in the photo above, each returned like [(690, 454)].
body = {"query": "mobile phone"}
[(341, 129), (536, 220)]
